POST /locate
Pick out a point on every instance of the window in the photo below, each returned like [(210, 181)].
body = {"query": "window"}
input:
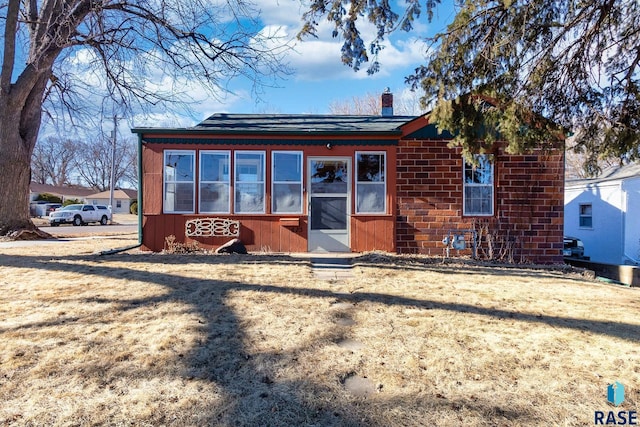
[(179, 181), (118, 203), (478, 186), (370, 183), (286, 175), (586, 216), (249, 182), (214, 181)]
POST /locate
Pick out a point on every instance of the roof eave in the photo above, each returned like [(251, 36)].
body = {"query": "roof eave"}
[(209, 132)]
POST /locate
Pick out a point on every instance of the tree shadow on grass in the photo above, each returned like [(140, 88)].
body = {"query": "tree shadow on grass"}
[(630, 332), (393, 262), (252, 393)]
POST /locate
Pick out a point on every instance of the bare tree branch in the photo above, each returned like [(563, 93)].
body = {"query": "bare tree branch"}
[(79, 52)]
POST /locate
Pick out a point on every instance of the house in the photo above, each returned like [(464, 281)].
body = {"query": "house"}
[(65, 193), (604, 213), (298, 183), (41, 208), (122, 199)]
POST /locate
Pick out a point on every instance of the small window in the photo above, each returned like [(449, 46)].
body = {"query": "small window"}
[(249, 182), (371, 194), (586, 216), (179, 181), (287, 182), (118, 203), (214, 181), (478, 186)]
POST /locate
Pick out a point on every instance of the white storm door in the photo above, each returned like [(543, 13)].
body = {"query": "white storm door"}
[(329, 203)]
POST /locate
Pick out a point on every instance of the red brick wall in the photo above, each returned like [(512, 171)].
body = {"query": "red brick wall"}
[(527, 225)]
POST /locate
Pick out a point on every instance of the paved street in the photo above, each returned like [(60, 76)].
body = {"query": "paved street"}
[(123, 224)]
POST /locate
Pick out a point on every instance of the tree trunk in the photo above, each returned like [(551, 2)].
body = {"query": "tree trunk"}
[(19, 127), (15, 174)]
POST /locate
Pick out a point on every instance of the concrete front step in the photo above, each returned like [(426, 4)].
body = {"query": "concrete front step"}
[(331, 267)]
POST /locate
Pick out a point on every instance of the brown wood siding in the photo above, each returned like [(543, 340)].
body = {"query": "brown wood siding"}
[(152, 162), (258, 233), (373, 233), (264, 232)]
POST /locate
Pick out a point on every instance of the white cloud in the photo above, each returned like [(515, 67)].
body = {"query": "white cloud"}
[(281, 12), (404, 53), (319, 59), (163, 120), (316, 59)]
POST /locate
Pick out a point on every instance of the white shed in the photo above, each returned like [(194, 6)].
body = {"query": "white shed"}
[(604, 213)]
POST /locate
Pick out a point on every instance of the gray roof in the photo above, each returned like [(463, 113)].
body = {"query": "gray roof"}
[(222, 123), (248, 123), (614, 173), (81, 192)]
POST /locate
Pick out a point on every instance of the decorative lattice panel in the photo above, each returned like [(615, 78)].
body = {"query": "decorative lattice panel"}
[(212, 227)]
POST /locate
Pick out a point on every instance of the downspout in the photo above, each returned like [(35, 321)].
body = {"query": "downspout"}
[(118, 250)]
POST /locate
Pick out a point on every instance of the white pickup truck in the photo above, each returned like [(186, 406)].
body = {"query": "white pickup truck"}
[(80, 215)]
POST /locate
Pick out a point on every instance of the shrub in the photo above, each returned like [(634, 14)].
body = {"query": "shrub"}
[(171, 246), (71, 202), (134, 208), (48, 197)]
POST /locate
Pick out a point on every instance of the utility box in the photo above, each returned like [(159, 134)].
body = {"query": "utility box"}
[(458, 242)]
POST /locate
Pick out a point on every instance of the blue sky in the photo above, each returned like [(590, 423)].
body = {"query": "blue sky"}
[(319, 78)]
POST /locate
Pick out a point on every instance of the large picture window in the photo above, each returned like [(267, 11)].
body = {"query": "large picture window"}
[(478, 186), (179, 181), (286, 195), (371, 192), (249, 181), (214, 181)]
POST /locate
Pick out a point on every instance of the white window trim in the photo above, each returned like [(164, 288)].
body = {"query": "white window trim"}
[(492, 185), (165, 182), (263, 182), (580, 216), (201, 181), (356, 182), (273, 180)]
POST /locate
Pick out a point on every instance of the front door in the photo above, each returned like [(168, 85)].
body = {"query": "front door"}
[(329, 204)]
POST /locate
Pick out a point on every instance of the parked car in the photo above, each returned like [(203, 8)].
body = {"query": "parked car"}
[(52, 207), (80, 215), (573, 247), (40, 209)]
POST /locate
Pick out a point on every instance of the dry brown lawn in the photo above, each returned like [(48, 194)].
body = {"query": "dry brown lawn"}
[(155, 339)]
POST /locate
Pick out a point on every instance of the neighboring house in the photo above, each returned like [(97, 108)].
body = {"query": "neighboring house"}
[(122, 199), (300, 183), (39, 209), (604, 213), (65, 193)]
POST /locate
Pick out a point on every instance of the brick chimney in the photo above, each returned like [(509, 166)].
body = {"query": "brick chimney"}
[(387, 102)]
